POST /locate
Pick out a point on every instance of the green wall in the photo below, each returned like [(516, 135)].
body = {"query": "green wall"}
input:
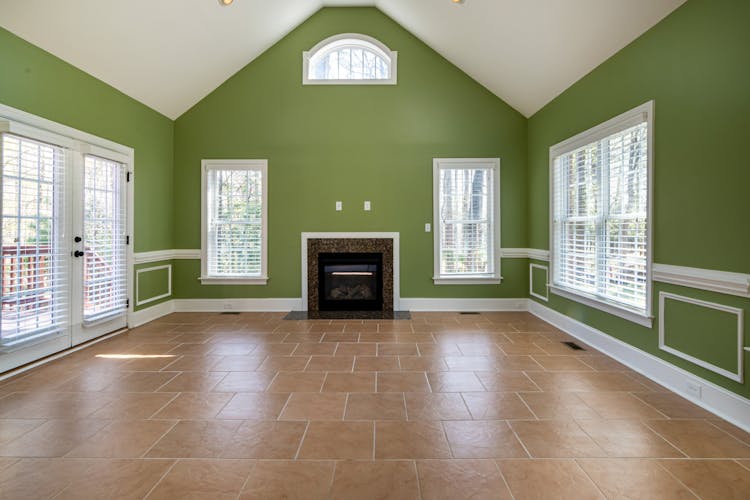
[(350, 143), (38, 82), (694, 65)]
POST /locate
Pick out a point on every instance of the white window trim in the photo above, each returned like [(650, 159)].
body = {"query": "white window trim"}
[(620, 122), (489, 279), (207, 165), (391, 54)]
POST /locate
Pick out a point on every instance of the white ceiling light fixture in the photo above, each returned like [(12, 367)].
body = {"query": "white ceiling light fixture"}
[(225, 2)]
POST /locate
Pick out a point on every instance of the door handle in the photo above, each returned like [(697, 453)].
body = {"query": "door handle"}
[(78, 253), (77, 239)]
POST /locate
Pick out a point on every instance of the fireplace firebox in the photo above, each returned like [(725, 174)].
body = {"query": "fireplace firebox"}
[(350, 281)]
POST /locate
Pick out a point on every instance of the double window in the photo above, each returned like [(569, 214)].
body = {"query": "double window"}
[(234, 222), (601, 206), (466, 201)]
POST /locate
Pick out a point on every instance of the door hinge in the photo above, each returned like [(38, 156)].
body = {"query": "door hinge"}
[(127, 303), (127, 240), (127, 176)]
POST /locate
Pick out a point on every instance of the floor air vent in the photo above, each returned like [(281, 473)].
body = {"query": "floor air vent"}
[(230, 312), (468, 312), (574, 346)]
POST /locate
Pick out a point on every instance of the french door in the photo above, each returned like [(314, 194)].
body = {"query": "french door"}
[(64, 254)]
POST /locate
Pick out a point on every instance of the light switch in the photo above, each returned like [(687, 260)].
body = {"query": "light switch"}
[(367, 206), (339, 206), (427, 227)]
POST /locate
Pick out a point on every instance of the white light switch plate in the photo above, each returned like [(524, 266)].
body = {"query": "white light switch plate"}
[(427, 227), (339, 206), (367, 206)]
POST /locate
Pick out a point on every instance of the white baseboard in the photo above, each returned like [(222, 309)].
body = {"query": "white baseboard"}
[(430, 304), (726, 404), (242, 305), (143, 316)]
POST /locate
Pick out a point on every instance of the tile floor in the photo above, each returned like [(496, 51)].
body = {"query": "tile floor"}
[(442, 406)]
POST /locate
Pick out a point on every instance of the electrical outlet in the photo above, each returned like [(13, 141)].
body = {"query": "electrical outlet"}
[(339, 206), (427, 227), (227, 306), (694, 389)]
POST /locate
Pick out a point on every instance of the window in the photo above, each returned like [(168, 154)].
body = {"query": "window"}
[(467, 233), (349, 59), (234, 205), (601, 216)]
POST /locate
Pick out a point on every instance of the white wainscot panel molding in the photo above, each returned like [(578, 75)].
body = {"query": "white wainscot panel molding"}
[(172, 254), (524, 253), (704, 279)]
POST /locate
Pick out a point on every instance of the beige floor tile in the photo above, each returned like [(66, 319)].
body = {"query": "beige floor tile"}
[(453, 479), (376, 363), (436, 406), (123, 439), (284, 363), (11, 429), (269, 440), (244, 382), (712, 479), (618, 405), (194, 405), (355, 349), (340, 337), (349, 382), (121, 479), (517, 363), (561, 363), (496, 406), (215, 479), (300, 480), (53, 405), (315, 349), (54, 438), (472, 363), (398, 349), (297, 382), (402, 382), (410, 440), (557, 405), (314, 406), (454, 382), (330, 364), (584, 381), (642, 479), (266, 406), (544, 479), (132, 405), (336, 440), (195, 439), (422, 363), (699, 439), (379, 480), (483, 439), (628, 439), (193, 363), (193, 382), (39, 478), (506, 381), (375, 406), (556, 439), (673, 405), (730, 429), (238, 363)]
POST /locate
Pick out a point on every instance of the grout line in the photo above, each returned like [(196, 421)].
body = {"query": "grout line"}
[(658, 464), (585, 473), (505, 481), (302, 440), (174, 424), (518, 438), (161, 479), (419, 483), (645, 423), (176, 394)]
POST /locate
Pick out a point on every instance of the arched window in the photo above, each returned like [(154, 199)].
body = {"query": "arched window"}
[(349, 59)]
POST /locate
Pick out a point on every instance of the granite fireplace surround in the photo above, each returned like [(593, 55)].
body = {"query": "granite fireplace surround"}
[(316, 246)]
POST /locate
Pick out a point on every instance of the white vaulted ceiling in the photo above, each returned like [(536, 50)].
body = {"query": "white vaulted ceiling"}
[(169, 54)]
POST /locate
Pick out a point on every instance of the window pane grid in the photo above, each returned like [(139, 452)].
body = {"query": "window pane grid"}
[(34, 273), (235, 224), (465, 207), (600, 221)]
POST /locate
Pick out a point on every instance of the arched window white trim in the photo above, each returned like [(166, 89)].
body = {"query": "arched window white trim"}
[(368, 62)]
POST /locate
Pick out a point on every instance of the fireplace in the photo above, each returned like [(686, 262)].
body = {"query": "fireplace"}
[(352, 287), (350, 281)]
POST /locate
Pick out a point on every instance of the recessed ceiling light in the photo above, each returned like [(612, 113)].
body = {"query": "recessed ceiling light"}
[(457, 1), (225, 2)]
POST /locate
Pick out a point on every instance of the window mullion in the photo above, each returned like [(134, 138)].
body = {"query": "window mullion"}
[(601, 243)]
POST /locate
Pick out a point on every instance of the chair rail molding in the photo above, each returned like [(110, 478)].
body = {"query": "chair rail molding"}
[(703, 279)]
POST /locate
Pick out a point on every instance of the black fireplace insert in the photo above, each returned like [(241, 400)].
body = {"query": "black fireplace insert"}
[(350, 281)]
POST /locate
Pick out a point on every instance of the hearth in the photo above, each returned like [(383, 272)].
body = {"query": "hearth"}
[(350, 281)]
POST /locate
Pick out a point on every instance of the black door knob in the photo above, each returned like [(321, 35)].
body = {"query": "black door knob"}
[(77, 253), (77, 239)]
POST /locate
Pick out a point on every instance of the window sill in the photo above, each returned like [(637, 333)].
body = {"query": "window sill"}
[(621, 312), (466, 280), (208, 280)]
